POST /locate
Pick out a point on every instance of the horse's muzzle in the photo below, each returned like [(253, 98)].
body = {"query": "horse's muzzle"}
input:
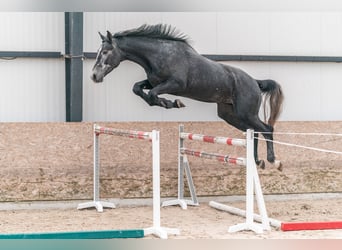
[(95, 78)]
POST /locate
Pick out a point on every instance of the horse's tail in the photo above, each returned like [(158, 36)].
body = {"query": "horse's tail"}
[(274, 97)]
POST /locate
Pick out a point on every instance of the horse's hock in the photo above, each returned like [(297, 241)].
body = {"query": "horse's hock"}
[(54, 161)]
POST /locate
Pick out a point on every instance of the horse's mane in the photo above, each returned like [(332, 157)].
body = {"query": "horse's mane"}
[(159, 31)]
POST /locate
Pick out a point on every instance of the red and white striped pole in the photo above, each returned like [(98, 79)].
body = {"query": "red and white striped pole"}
[(214, 139)]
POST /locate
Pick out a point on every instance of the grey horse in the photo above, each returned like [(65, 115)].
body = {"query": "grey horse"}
[(173, 67)]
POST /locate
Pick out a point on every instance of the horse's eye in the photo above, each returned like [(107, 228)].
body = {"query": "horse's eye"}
[(104, 52)]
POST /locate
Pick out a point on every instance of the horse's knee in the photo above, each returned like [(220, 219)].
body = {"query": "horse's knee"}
[(137, 89), (152, 96)]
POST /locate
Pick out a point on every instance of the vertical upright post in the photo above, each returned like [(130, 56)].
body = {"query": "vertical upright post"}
[(73, 65), (156, 178), (99, 205), (156, 229), (96, 166), (180, 164), (183, 165), (255, 181), (250, 177), (261, 202)]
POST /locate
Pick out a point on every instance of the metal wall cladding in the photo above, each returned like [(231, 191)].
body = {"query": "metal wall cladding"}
[(32, 89)]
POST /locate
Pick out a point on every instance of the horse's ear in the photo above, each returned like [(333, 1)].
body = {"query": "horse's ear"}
[(109, 37), (102, 37)]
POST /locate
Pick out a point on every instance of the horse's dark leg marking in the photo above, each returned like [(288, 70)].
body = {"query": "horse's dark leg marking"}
[(167, 87), (260, 126), (260, 163)]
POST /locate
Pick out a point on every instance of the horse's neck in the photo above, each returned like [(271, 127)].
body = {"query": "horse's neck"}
[(137, 50)]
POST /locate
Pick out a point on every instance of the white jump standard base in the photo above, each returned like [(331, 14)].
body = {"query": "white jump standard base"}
[(161, 232), (180, 202), (99, 205)]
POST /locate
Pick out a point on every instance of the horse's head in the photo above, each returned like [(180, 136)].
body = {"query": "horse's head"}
[(108, 57)]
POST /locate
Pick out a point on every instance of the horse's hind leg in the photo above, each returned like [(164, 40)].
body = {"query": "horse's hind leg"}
[(244, 122), (226, 112)]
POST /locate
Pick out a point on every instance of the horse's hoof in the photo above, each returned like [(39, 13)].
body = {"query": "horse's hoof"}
[(261, 164), (278, 165), (166, 104), (179, 104)]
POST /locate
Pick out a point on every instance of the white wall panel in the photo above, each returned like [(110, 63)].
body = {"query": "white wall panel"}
[(32, 31), (95, 22), (243, 33), (32, 90), (301, 87), (331, 92), (200, 27), (297, 33), (331, 37)]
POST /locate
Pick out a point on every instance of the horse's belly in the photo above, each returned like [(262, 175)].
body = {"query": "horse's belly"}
[(205, 95)]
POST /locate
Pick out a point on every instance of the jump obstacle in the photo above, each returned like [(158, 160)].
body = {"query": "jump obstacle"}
[(153, 136), (288, 226), (252, 177), (252, 181)]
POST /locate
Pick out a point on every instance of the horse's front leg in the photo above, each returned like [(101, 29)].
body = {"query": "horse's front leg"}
[(139, 87), (167, 87)]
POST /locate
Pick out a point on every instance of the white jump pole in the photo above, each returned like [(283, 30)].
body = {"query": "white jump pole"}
[(242, 213)]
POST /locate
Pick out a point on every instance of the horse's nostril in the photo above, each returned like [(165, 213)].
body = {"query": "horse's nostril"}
[(93, 77)]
